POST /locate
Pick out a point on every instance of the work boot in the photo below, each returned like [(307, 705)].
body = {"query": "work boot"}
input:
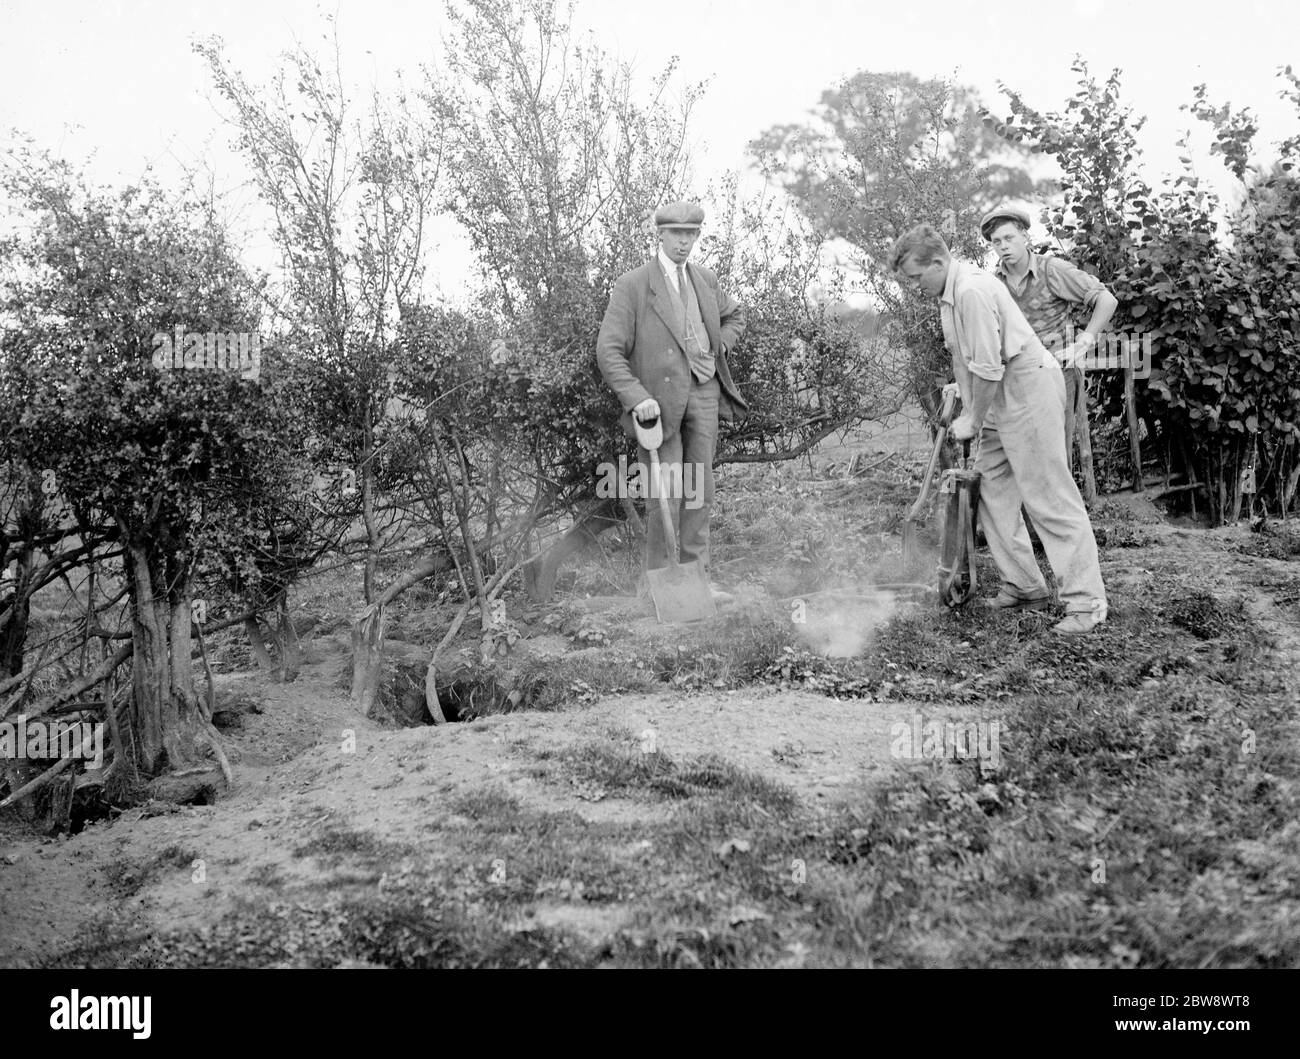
[(1004, 600)]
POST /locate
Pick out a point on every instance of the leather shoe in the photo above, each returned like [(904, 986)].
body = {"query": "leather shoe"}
[(1080, 622), (1006, 601)]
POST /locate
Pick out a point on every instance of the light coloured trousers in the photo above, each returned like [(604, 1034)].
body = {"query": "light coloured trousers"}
[(1022, 460)]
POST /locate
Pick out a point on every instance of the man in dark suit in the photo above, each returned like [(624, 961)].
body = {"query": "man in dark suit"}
[(663, 350)]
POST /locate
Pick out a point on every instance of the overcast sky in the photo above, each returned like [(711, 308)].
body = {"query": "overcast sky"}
[(117, 77)]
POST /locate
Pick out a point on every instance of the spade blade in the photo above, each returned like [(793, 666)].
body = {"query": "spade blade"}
[(681, 592)]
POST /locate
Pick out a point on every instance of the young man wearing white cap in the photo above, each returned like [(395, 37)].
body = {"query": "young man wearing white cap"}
[(1049, 292), (1013, 397), (662, 349)]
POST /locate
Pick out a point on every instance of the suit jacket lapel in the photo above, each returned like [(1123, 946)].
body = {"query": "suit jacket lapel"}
[(708, 309), (661, 299)]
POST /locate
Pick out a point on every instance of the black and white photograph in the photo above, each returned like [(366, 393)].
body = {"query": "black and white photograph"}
[(525, 485)]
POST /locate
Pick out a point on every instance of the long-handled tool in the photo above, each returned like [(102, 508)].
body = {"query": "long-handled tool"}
[(916, 514), (960, 494), (680, 590)]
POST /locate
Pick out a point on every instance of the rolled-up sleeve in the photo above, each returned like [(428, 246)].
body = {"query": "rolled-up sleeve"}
[(979, 333), (1073, 284)]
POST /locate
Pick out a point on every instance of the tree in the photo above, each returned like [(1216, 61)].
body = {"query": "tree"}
[(351, 201), (809, 366), (555, 169), (884, 152), (166, 463), (887, 150)]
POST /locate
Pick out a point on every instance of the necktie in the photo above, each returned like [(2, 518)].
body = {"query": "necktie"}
[(681, 290)]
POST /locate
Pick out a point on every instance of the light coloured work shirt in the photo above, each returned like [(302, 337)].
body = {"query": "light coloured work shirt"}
[(982, 324)]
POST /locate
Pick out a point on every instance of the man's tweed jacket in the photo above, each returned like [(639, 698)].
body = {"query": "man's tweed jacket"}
[(642, 349)]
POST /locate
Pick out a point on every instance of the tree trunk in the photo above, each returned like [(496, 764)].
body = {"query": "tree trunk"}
[(1218, 486), (1189, 465), (1083, 434), (368, 630), (1288, 493), (1134, 432), (23, 503), (13, 633), (257, 642), (367, 656), (287, 644), (1234, 482), (166, 718)]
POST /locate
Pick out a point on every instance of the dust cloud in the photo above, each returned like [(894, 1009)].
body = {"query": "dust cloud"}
[(842, 624)]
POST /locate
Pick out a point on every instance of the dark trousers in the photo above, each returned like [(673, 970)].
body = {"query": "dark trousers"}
[(686, 467)]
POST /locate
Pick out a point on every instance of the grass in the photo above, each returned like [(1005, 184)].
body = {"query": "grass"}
[(337, 843), (729, 651), (268, 876), (127, 877), (625, 767), (1205, 615), (1274, 540), (1117, 513)]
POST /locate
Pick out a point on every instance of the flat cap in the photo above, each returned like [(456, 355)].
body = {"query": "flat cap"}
[(1003, 213), (679, 215)]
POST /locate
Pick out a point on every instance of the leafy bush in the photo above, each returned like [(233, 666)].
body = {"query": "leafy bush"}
[(1217, 299)]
